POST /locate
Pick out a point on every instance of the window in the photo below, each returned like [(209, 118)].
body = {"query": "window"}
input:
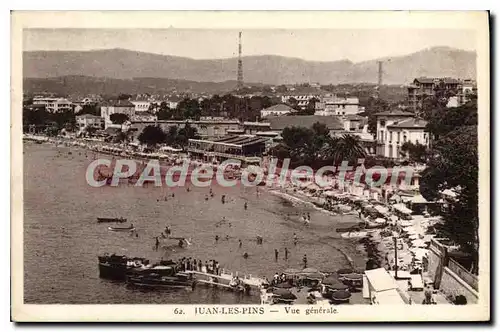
[(390, 136), (404, 138), (381, 135), (399, 136)]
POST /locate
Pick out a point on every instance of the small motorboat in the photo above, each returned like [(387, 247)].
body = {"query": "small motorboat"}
[(121, 229), (99, 220)]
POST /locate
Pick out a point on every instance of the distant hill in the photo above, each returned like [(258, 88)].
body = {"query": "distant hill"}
[(267, 69), (86, 85)]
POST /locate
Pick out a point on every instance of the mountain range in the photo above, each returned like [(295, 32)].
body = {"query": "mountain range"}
[(266, 69)]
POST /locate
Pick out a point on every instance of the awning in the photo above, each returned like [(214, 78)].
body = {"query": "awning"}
[(419, 199), (402, 208)]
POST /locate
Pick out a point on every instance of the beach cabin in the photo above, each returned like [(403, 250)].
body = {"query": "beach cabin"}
[(381, 288)]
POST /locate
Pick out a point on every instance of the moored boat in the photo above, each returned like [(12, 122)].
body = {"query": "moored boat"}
[(116, 267), (121, 220), (121, 229)]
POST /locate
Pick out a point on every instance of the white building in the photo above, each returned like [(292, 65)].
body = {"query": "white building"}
[(394, 128), (54, 105), (141, 105), (89, 120), (334, 105), (116, 106), (301, 98), (276, 110)]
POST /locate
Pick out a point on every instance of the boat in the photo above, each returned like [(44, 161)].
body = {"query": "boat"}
[(99, 220), (116, 267), (350, 235), (162, 276), (121, 229)]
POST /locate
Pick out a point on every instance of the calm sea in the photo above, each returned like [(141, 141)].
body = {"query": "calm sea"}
[(62, 238)]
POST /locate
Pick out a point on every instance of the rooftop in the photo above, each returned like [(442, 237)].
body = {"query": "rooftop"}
[(395, 112), (279, 108), (118, 103), (281, 122), (410, 123), (430, 80)]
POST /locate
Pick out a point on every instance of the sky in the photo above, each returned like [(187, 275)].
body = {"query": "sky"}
[(308, 44)]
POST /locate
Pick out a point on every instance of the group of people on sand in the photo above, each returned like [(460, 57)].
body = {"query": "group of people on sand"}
[(192, 264)]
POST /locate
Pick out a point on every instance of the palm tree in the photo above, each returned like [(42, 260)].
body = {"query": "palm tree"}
[(347, 147)]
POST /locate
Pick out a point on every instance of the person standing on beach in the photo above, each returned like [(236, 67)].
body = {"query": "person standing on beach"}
[(295, 239), (304, 260), (276, 253), (245, 206), (216, 238), (240, 243), (286, 253), (157, 243)]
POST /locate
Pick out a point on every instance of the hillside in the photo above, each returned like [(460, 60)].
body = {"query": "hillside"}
[(267, 69)]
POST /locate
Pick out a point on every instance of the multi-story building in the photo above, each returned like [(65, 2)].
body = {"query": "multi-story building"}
[(301, 98), (54, 105), (116, 106), (424, 86), (141, 105), (89, 120), (205, 128), (334, 105), (394, 128), (276, 110)]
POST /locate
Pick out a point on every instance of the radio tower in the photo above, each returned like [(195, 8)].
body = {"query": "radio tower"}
[(379, 83), (380, 72), (240, 64)]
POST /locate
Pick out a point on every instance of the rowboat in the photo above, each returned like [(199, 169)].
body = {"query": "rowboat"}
[(99, 220), (121, 229)]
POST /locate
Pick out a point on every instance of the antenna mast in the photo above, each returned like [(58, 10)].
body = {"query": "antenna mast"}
[(240, 64)]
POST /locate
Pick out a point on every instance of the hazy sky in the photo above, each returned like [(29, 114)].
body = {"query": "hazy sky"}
[(310, 44)]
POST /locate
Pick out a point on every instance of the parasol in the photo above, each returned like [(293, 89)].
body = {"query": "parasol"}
[(284, 294), (292, 271), (310, 270), (341, 295), (334, 283), (344, 271), (283, 285), (352, 276)]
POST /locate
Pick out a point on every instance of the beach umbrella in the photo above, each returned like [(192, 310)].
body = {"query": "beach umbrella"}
[(284, 294), (310, 270), (283, 285), (334, 283), (292, 271), (352, 277), (341, 295), (344, 271)]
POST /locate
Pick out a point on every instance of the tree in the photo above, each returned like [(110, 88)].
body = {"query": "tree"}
[(293, 103), (171, 135), (90, 109), (124, 96), (454, 165), (188, 109), (281, 89), (346, 148), (372, 107), (152, 135), (164, 113), (414, 152), (185, 134), (118, 118)]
